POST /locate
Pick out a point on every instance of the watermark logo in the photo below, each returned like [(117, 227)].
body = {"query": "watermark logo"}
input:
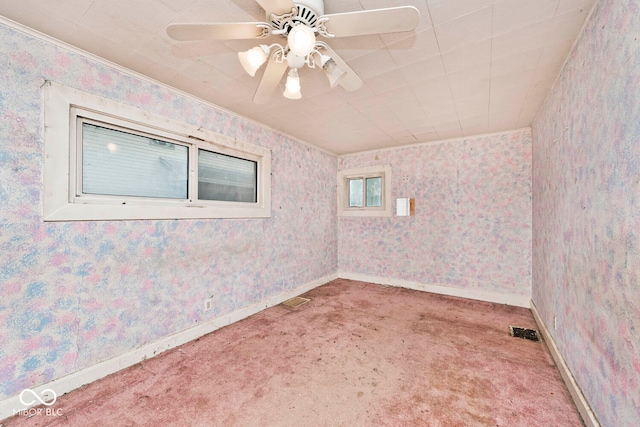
[(47, 397), (28, 397)]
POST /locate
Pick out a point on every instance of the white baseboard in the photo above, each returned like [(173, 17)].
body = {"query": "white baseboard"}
[(588, 417), (12, 405), (515, 300)]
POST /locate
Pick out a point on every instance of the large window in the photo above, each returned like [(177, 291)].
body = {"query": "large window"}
[(364, 191), (99, 165)]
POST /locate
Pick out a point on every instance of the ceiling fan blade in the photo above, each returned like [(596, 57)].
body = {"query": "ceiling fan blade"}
[(374, 21), (351, 81), (276, 6), (217, 31), (270, 79)]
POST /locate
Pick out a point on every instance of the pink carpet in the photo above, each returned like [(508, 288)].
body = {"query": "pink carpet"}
[(357, 354)]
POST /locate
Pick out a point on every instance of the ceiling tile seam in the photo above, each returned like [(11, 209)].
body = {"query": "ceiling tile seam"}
[(455, 103), (575, 41), (566, 59), (555, 12), (547, 20), (402, 36), (434, 28), (140, 51), (408, 129), (382, 43), (528, 90), (371, 123), (459, 16), (435, 34), (85, 13)]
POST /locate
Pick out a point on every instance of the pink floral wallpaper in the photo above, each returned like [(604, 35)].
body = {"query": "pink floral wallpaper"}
[(472, 227), (586, 212), (74, 294)]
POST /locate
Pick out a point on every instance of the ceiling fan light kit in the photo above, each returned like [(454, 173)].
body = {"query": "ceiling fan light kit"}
[(300, 22)]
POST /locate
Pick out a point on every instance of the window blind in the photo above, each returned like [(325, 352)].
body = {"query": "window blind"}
[(119, 163), (227, 178)]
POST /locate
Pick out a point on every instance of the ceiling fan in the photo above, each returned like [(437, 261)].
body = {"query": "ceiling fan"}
[(299, 23)]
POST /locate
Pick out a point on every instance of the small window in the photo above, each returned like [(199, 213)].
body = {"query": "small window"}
[(228, 178), (364, 192), (108, 161), (355, 193), (374, 192)]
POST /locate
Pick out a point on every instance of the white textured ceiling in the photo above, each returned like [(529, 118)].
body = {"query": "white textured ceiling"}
[(471, 66)]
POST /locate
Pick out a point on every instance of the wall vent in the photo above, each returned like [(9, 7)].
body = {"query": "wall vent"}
[(296, 301), (528, 334)]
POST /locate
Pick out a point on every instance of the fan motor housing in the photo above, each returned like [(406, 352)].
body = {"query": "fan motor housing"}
[(308, 13)]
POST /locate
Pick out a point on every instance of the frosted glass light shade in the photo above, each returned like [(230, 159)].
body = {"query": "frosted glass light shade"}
[(292, 88), (334, 73), (301, 40), (253, 58)]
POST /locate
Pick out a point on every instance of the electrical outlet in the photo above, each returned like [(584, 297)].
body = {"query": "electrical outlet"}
[(208, 304)]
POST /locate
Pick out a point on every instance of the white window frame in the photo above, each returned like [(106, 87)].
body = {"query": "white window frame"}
[(64, 202), (368, 172)]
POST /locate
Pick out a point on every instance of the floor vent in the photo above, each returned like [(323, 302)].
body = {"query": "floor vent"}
[(527, 334), (296, 301)]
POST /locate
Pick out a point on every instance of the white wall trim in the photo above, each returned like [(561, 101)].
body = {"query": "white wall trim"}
[(588, 417), (476, 294), (12, 405)]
